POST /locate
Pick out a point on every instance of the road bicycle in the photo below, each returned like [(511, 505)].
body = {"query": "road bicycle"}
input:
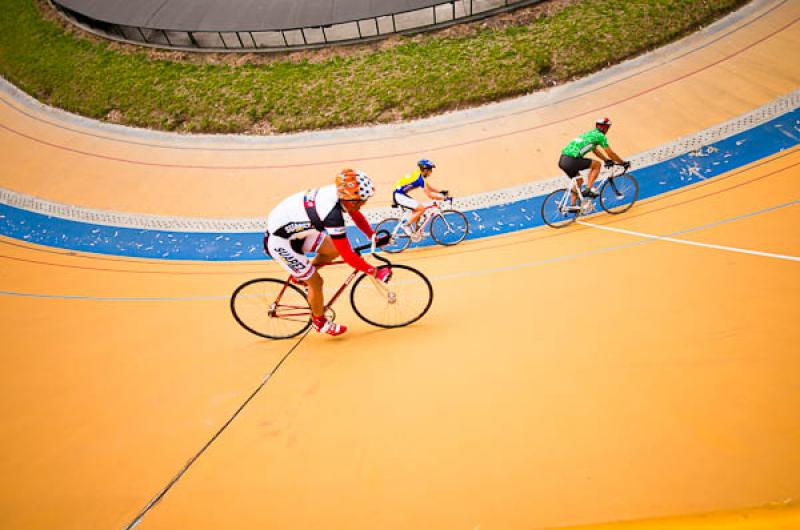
[(278, 309), (447, 226), (618, 193)]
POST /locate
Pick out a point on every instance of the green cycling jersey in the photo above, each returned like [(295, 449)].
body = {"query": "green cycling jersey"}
[(584, 143)]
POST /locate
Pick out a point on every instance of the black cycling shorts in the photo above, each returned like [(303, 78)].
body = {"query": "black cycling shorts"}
[(571, 165)]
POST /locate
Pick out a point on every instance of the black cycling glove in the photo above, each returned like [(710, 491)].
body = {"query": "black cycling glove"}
[(383, 238)]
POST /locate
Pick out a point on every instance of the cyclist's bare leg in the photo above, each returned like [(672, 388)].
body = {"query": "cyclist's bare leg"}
[(593, 172), (574, 195), (412, 222), (315, 296), (326, 252), (316, 299)]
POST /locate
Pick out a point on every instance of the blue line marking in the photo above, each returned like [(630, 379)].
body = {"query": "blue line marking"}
[(710, 161), (480, 272)]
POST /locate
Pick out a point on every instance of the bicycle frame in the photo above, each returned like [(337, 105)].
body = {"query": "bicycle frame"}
[(273, 308), (427, 217), (305, 310), (575, 190), (352, 276)]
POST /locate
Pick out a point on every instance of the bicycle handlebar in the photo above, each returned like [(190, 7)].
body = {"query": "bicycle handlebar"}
[(373, 247), (625, 167)]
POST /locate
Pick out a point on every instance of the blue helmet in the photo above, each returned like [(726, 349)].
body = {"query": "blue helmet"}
[(426, 164)]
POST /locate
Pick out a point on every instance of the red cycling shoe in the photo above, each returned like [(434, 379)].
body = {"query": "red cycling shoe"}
[(329, 327)]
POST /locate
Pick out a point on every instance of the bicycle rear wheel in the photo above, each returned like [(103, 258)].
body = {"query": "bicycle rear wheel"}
[(399, 241), (554, 209), (617, 194), (410, 296), (271, 308), (449, 228)]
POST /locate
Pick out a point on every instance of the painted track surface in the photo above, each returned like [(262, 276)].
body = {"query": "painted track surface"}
[(561, 378)]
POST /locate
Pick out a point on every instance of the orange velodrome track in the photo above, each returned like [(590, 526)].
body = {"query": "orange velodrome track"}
[(588, 376)]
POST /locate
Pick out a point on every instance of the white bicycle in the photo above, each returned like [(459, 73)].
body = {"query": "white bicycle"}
[(447, 226), (618, 193)]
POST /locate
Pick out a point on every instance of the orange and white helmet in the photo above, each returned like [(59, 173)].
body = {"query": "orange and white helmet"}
[(354, 185)]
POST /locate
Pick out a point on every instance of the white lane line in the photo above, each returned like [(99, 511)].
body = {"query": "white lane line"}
[(692, 243)]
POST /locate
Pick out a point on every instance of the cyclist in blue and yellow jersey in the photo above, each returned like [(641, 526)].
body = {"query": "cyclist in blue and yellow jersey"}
[(412, 181), (572, 160)]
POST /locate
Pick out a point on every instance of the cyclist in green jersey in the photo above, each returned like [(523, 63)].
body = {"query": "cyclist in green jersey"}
[(594, 141)]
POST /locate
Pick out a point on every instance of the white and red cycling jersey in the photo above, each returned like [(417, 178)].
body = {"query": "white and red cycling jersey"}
[(300, 223)]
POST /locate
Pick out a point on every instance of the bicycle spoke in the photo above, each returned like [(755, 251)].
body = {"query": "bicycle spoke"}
[(400, 240), (619, 193), (408, 298), (270, 308), (556, 209), (450, 227)]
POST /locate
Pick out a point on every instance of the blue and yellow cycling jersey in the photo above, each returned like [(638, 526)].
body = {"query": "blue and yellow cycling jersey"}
[(410, 182)]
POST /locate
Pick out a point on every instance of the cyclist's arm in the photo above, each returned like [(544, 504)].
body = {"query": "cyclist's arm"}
[(335, 227), (362, 223), (347, 253), (598, 152), (613, 156), (432, 192)]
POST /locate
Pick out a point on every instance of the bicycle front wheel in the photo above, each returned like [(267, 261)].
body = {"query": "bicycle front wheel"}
[(617, 194), (400, 239), (555, 209), (271, 308), (407, 299), (449, 228)]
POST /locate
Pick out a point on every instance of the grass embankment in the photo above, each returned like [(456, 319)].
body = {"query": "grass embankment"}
[(407, 78)]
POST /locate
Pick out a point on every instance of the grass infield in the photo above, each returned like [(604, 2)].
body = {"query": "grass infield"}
[(398, 79)]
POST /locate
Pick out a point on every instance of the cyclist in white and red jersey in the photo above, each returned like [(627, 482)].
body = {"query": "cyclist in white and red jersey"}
[(313, 221), (572, 159)]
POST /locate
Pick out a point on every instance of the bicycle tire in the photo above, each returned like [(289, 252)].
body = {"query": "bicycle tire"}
[(451, 222), (618, 194), (413, 297), (251, 301), (552, 213), (399, 241)]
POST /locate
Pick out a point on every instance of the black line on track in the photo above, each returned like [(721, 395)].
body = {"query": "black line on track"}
[(160, 495)]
